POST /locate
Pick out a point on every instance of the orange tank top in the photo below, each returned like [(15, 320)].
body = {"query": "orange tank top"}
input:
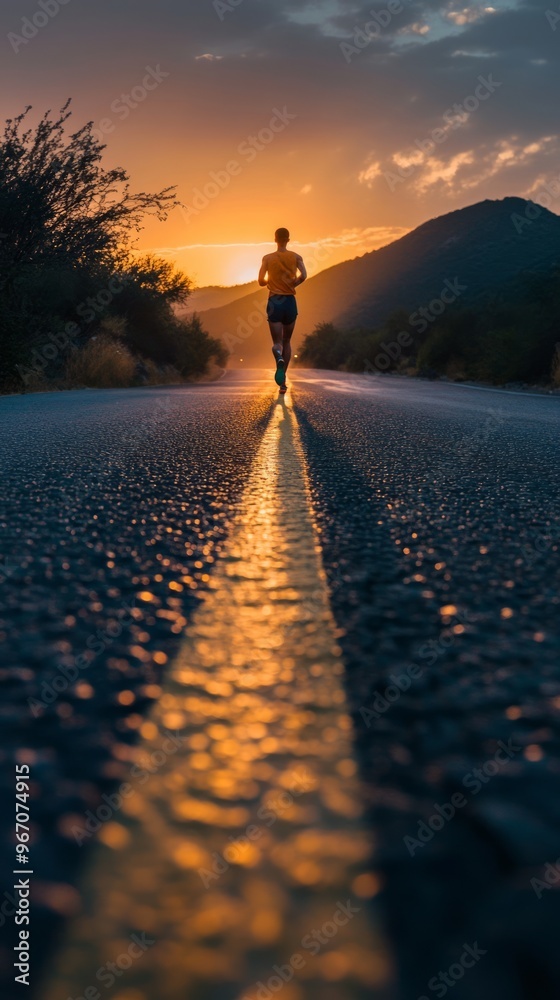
[(282, 272)]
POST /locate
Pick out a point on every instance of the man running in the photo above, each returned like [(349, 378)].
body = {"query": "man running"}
[(279, 273)]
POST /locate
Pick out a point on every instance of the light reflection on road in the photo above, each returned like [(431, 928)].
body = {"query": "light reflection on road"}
[(246, 849)]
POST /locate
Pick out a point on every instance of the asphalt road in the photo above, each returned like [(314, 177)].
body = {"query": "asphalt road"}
[(437, 510), (106, 495)]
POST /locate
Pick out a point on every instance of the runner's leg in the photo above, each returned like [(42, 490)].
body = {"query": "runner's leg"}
[(287, 341), (277, 344)]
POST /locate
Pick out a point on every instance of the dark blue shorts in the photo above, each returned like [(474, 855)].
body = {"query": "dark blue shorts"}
[(282, 309)]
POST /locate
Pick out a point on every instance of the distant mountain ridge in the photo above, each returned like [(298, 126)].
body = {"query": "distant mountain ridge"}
[(215, 296), (483, 246)]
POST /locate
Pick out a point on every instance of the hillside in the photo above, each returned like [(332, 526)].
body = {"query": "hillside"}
[(479, 245), (215, 296)]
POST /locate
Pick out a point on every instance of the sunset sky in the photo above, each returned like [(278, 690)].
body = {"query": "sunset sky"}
[(341, 113)]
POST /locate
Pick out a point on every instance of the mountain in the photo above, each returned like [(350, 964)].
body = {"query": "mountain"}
[(214, 296), (482, 247)]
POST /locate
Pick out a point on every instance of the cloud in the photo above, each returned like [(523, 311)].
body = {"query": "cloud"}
[(472, 54), (469, 170), (441, 172), (350, 238), (355, 120), (378, 235), (468, 14), (369, 174), (406, 160), (416, 28)]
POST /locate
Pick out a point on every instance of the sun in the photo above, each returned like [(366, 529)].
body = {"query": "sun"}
[(243, 277)]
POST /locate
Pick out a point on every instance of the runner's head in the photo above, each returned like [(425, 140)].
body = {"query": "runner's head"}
[(282, 236)]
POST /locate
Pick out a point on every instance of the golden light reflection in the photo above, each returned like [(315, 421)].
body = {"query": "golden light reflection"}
[(248, 838)]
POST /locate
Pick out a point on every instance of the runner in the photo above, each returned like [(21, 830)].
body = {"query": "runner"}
[(279, 273)]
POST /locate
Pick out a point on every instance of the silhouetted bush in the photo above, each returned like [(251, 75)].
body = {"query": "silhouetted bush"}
[(102, 363), (67, 264)]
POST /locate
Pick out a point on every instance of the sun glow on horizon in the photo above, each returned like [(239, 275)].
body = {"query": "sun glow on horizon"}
[(246, 275), (237, 263)]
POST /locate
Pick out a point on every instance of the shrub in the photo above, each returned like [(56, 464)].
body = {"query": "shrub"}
[(193, 348), (103, 364), (154, 374), (509, 336), (326, 347)]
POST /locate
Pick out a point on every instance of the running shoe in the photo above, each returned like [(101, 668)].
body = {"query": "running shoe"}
[(280, 376)]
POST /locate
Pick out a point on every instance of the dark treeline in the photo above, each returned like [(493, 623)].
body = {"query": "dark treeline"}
[(513, 337), (77, 304)]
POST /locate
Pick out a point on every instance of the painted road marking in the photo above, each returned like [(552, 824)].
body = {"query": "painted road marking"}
[(241, 868)]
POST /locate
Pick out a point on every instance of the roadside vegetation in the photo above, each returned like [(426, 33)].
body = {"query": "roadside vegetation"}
[(513, 337), (78, 305)]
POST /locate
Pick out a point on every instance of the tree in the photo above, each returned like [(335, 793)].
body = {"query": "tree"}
[(157, 276), (67, 255), (58, 204)]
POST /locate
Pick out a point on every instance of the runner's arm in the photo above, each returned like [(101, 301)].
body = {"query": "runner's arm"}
[(263, 272), (302, 272)]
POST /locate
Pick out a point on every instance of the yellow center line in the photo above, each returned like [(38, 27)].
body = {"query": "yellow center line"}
[(243, 860)]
